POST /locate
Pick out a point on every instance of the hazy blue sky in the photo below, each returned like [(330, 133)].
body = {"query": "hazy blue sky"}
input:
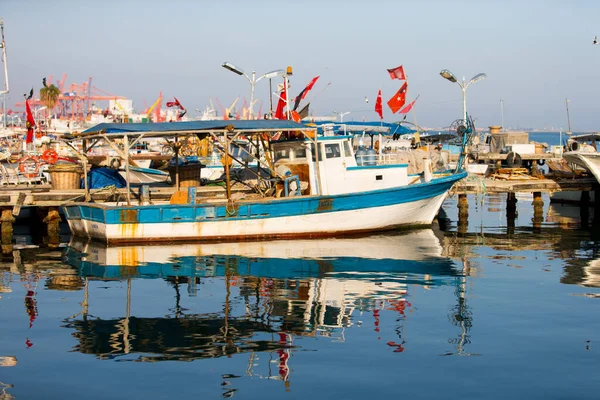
[(536, 53)]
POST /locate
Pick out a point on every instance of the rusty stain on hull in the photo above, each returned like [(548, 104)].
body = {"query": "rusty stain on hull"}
[(130, 216), (325, 205)]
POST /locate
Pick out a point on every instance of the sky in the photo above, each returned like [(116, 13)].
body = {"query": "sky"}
[(536, 54)]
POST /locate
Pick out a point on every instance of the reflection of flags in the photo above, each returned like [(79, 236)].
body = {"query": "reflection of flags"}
[(30, 123), (408, 107), (304, 111), (304, 92), (175, 103), (396, 102), (397, 73), (379, 105)]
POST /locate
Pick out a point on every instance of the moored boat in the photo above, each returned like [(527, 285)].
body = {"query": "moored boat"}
[(316, 188)]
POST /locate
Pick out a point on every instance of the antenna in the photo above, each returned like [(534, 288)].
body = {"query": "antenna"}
[(6, 90), (568, 117)]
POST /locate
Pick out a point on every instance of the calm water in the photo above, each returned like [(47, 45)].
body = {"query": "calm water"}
[(500, 309)]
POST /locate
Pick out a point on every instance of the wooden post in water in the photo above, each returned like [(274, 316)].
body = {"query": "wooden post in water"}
[(7, 220), (511, 209), (463, 214), (538, 210), (52, 221), (584, 209)]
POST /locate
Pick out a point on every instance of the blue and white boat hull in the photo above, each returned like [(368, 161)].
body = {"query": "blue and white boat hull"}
[(303, 216)]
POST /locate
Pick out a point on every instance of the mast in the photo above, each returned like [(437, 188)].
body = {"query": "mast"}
[(568, 117), (6, 89)]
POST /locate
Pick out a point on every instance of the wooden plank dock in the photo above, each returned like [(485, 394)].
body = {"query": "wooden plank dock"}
[(45, 196)]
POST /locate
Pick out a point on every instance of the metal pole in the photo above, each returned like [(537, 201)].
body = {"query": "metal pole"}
[(270, 99), (568, 116), (127, 177), (252, 82), (226, 166), (287, 96), (464, 90), (502, 112)]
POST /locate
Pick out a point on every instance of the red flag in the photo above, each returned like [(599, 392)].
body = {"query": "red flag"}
[(397, 73), (30, 123), (304, 92), (175, 103), (408, 107), (379, 105), (396, 102), (279, 114)]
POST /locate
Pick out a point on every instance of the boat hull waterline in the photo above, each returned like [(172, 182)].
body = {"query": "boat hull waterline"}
[(303, 216)]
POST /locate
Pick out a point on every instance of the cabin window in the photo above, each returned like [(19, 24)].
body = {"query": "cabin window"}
[(301, 153), (312, 151), (332, 150), (347, 152), (282, 153)]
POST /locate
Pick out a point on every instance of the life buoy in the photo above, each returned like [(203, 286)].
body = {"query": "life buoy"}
[(513, 160), (50, 156), (29, 166), (115, 163)]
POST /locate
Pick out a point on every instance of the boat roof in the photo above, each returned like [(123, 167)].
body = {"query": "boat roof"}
[(158, 129), (585, 137), (385, 128)]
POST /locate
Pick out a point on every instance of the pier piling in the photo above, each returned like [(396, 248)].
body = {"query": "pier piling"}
[(511, 210), (7, 220), (52, 221), (538, 210)]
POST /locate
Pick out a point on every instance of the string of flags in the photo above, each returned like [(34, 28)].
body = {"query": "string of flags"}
[(396, 103)]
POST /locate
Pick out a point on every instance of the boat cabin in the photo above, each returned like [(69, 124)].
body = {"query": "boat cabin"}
[(336, 171)]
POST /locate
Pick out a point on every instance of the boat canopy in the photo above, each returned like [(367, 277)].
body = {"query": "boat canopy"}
[(384, 128), (188, 127)]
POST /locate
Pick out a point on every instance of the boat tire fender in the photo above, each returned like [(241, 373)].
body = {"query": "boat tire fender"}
[(26, 169), (574, 146), (115, 163), (513, 160), (541, 162)]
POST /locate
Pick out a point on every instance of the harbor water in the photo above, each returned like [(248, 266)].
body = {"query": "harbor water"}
[(505, 306)]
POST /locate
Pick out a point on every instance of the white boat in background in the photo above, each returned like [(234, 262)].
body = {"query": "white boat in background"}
[(316, 189), (144, 176)]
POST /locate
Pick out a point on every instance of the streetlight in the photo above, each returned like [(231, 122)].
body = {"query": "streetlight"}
[(35, 113), (341, 114), (446, 74), (253, 81)]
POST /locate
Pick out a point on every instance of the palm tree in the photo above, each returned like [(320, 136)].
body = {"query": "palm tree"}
[(49, 96)]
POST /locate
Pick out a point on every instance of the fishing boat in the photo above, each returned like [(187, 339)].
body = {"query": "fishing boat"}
[(315, 188), (582, 153)]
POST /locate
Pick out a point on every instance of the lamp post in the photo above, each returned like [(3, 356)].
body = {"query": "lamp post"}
[(341, 114), (35, 113), (446, 74), (252, 80)]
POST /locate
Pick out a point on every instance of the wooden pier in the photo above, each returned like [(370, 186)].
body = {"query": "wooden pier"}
[(47, 201)]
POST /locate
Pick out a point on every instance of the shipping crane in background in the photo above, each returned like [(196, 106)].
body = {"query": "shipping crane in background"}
[(155, 109), (74, 101)]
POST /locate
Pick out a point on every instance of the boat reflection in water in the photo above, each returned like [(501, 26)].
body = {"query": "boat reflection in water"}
[(258, 296)]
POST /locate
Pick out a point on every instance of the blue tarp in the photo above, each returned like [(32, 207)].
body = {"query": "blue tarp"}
[(102, 177), (195, 126)]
